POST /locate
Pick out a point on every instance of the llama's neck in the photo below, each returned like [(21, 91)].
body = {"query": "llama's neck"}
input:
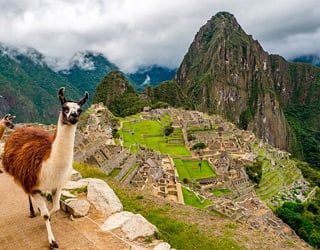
[(63, 144), (2, 129)]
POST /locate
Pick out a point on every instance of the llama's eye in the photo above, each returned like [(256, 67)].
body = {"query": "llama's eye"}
[(66, 110), (79, 111)]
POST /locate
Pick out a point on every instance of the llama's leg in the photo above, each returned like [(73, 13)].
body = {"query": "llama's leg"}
[(32, 213), (41, 202), (55, 201)]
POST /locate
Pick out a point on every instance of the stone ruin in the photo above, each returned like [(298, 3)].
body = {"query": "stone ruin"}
[(159, 177)]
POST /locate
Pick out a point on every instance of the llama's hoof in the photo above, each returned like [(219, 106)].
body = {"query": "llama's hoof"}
[(1, 171), (32, 215), (53, 245)]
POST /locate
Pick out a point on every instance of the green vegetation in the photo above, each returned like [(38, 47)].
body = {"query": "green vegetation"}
[(191, 199), (88, 171), (172, 227), (118, 95), (304, 219), (300, 118), (199, 145), (191, 170), (149, 133), (254, 171), (168, 130), (218, 192), (312, 175), (127, 104)]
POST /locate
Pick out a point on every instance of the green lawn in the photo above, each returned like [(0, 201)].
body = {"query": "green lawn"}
[(149, 133), (219, 192), (192, 200), (190, 169)]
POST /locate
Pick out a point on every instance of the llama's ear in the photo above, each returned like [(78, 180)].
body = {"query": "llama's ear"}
[(9, 117), (61, 95), (84, 99)]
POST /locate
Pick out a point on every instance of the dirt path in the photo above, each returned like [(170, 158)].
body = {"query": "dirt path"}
[(18, 231)]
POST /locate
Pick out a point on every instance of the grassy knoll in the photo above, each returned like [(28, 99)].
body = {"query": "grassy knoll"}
[(190, 169), (149, 133), (192, 200), (219, 192)]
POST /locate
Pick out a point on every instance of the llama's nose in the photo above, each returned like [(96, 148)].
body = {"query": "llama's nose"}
[(73, 114)]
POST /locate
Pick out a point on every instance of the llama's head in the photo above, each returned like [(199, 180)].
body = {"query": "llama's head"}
[(7, 121), (71, 110)]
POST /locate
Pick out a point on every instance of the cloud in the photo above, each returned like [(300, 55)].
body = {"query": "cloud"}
[(143, 32)]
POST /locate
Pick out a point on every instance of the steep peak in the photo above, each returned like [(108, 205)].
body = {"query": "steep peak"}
[(224, 17), (223, 22)]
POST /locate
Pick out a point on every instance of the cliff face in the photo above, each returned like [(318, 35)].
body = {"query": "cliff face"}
[(225, 71)]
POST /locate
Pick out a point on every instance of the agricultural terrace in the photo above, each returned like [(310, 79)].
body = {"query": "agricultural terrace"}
[(150, 133), (191, 170)]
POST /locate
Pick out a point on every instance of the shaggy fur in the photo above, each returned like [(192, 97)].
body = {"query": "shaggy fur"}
[(42, 162), (24, 151)]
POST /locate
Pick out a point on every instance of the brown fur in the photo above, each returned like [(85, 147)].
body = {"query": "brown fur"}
[(24, 151)]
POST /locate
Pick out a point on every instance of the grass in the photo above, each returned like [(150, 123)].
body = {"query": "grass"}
[(192, 200), (179, 233), (114, 172), (219, 192), (149, 133), (190, 169), (88, 171)]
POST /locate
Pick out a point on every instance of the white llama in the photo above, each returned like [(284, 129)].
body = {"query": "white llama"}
[(41, 162)]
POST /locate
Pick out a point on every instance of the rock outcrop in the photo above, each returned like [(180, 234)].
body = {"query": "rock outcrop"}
[(100, 197)]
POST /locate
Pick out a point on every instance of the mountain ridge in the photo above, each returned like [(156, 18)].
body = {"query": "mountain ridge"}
[(227, 72)]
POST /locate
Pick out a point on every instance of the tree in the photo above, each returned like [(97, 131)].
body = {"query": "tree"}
[(168, 130), (199, 145)]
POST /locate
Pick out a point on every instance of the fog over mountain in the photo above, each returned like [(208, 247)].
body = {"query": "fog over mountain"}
[(135, 34)]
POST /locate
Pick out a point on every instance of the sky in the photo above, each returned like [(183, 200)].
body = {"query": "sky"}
[(138, 33)]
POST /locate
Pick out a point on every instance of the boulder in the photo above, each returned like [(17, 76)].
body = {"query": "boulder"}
[(78, 208), (116, 220), (162, 246), (132, 225), (75, 184), (102, 197), (137, 226), (75, 175)]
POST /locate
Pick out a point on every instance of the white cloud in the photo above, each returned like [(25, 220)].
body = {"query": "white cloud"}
[(144, 32)]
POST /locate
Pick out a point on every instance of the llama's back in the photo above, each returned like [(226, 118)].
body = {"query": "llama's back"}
[(24, 151)]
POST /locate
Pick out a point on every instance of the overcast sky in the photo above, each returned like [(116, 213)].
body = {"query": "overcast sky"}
[(134, 33)]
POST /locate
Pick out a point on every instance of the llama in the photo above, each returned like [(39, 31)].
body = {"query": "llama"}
[(5, 122), (41, 162)]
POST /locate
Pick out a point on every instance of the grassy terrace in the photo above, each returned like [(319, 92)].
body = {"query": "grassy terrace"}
[(191, 199), (275, 177), (190, 169), (149, 133)]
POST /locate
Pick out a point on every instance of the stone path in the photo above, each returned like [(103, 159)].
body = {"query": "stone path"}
[(18, 231)]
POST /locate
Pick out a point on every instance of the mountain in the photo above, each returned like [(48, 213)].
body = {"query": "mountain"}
[(29, 87), (115, 92), (227, 72), (86, 69), (312, 59), (150, 76)]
